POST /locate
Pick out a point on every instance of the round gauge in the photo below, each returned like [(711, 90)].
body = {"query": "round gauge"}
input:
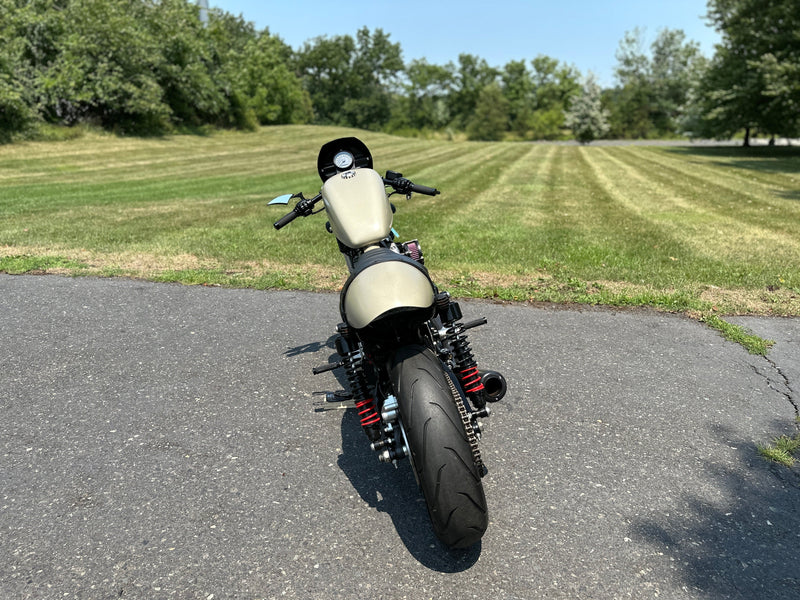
[(343, 160)]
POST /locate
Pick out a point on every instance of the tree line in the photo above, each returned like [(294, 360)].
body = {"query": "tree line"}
[(151, 66), (141, 67)]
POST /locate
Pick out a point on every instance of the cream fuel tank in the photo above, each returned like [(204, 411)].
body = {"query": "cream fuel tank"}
[(358, 210), (402, 345)]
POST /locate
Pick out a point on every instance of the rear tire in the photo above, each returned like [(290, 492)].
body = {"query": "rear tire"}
[(440, 452)]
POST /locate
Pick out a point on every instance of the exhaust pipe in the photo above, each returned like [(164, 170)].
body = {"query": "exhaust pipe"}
[(494, 385)]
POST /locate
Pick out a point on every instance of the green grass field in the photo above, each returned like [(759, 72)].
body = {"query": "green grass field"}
[(704, 230)]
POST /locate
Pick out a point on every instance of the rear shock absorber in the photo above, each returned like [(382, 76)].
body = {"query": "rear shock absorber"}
[(466, 368), (353, 363)]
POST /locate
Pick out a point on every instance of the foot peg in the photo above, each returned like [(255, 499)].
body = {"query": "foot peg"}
[(326, 368), (339, 396)]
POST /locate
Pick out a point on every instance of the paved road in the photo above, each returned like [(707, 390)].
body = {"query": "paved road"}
[(160, 441), (689, 143)]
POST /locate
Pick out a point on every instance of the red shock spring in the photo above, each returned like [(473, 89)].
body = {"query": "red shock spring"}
[(471, 380), (366, 410)]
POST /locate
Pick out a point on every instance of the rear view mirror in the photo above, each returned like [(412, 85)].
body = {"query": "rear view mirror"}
[(281, 199)]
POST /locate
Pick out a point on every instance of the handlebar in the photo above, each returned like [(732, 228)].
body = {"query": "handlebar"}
[(422, 189), (405, 186), (394, 179), (285, 220), (302, 209)]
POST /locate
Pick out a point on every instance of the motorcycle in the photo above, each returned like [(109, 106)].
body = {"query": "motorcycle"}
[(402, 343)]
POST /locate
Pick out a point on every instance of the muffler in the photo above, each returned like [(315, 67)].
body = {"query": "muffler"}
[(494, 385)]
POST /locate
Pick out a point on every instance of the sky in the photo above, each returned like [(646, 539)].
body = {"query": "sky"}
[(582, 33)]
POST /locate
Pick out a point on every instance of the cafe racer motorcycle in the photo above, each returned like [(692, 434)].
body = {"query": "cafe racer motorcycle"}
[(402, 343)]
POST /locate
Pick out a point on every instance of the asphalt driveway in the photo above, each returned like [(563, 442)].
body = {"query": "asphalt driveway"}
[(162, 441)]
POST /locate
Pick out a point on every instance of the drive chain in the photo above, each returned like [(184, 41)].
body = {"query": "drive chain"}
[(468, 428)]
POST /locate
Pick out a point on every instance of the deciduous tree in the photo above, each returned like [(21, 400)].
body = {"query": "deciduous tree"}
[(350, 81), (518, 90), (653, 86), (586, 116), (753, 82), (423, 103), (490, 119), (472, 75), (555, 84)]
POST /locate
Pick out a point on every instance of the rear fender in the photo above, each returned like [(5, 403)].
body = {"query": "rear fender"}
[(384, 285)]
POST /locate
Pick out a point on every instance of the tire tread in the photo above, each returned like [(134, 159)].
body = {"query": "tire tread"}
[(440, 451)]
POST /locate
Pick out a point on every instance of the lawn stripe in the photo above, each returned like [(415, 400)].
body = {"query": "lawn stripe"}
[(727, 182), (729, 229), (711, 241)]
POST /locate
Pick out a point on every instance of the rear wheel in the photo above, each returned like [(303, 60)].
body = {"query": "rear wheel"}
[(440, 452)]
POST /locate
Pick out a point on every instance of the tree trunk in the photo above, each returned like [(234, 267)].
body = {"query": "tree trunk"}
[(746, 137)]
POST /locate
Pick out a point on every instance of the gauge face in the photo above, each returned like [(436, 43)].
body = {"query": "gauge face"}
[(343, 160)]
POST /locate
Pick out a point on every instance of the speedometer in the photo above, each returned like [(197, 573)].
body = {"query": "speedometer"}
[(343, 160)]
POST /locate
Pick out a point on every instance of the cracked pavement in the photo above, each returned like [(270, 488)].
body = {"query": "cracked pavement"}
[(163, 441), (783, 367)]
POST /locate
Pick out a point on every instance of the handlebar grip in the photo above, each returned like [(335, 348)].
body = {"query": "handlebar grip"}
[(423, 189), (285, 220)]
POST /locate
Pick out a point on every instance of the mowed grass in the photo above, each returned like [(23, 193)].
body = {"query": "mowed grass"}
[(703, 230)]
